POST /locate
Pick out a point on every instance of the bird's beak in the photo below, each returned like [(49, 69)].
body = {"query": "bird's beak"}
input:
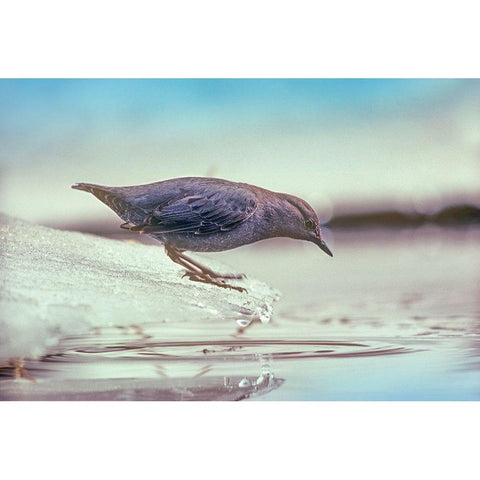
[(324, 247)]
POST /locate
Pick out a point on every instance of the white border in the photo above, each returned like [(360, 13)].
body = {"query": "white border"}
[(240, 440), (242, 39), (246, 39)]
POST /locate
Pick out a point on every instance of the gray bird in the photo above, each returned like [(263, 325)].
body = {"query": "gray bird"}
[(209, 215)]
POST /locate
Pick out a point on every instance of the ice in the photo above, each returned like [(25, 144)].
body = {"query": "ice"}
[(56, 284)]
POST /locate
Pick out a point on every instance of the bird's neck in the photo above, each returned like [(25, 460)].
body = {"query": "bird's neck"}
[(276, 220)]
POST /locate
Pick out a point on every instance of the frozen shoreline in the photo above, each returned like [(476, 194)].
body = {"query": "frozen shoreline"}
[(55, 284)]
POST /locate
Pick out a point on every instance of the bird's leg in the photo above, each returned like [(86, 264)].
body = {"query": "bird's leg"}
[(178, 257), (196, 272), (211, 273)]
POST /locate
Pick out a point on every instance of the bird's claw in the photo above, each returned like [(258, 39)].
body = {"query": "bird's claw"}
[(205, 278), (228, 276), (239, 289), (224, 276)]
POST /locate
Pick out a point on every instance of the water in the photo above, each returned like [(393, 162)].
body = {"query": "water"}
[(393, 316)]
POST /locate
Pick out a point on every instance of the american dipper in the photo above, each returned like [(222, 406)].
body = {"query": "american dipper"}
[(209, 215)]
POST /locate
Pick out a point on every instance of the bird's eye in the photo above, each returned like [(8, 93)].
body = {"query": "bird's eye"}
[(309, 224)]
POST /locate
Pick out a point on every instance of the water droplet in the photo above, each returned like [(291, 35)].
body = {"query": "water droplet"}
[(266, 378), (245, 382), (265, 314), (244, 322)]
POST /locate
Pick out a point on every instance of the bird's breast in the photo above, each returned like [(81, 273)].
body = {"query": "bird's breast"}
[(214, 242)]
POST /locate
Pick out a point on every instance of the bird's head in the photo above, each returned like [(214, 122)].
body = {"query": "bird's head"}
[(301, 222)]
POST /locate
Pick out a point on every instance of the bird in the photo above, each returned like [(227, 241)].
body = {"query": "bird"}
[(205, 214)]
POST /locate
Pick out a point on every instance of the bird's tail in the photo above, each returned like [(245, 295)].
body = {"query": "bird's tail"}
[(87, 187), (104, 194), (107, 195)]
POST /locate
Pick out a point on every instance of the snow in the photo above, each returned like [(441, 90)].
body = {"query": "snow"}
[(56, 284)]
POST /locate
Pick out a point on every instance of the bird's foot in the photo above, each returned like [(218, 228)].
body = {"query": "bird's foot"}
[(205, 278), (227, 276)]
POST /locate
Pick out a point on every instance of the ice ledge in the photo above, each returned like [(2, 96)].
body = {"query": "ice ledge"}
[(55, 284)]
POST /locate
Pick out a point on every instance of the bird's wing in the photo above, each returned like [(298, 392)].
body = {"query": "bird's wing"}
[(201, 212)]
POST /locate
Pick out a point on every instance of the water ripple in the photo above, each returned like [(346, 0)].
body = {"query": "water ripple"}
[(245, 349)]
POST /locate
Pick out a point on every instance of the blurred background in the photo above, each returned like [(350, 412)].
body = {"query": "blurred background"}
[(361, 151)]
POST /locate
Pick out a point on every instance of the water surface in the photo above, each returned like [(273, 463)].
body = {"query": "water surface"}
[(393, 316)]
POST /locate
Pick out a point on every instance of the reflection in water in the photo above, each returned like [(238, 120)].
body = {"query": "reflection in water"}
[(109, 366), (208, 388), (108, 370), (228, 350)]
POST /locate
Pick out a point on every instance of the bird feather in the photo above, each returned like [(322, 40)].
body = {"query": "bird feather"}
[(202, 212)]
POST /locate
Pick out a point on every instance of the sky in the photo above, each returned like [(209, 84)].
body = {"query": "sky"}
[(351, 143)]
